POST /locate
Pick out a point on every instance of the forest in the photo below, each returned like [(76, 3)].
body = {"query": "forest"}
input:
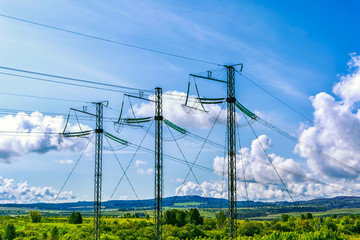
[(178, 224)]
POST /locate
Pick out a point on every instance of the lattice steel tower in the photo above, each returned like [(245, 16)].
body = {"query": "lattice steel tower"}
[(98, 169), (158, 163), (231, 149)]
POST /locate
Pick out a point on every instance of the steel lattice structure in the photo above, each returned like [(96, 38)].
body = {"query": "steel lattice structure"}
[(98, 169), (231, 150), (158, 163)]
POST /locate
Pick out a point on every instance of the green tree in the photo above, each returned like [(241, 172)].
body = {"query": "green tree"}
[(10, 232), (284, 217), (78, 218), (221, 218), (308, 216), (34, 216), (249, 228), (194, 217), (44, 236), (75, 218), (54, 235), (180, 217), (170, 217)]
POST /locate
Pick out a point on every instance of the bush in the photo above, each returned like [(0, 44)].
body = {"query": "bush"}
[(10, 232), (194, 217), (75, 218), (34, 216), (284, 217), (221, 219), (54, 235)]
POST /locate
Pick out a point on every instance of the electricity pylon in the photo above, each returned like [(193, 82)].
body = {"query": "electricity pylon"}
[(231, 142), (231, 150), (158, 163), (98, 170)]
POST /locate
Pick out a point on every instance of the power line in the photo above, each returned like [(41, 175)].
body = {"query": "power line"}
[(294, 110), (41, 97), (271, 162), (68, 177), (272, 95), (83, 81), (197, 156), (219, 146), (68, 78), (110, 41), (193, 173), (131, 185), (17, 111), (132, 159)]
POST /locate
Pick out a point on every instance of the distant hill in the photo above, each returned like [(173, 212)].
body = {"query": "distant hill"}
[(321, 204)]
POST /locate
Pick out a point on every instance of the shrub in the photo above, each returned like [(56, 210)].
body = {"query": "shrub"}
[(54, 235), (34, 216), (10, 232), (75, 218), (284, 217)]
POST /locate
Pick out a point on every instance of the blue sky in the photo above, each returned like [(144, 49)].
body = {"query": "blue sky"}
[(293, 49)]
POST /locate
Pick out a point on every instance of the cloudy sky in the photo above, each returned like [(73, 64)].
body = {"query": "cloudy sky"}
[(303, 54)]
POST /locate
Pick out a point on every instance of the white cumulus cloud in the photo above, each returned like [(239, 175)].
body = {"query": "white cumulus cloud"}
[(139, 162), (65, 161), (145, 171), (21, 192), (336, 128), (216, 189), (176, 113), (34, 133)]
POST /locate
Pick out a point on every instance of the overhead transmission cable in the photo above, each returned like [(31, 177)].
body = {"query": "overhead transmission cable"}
[(243, 171), (41, 97), (68, 177), (272, 164), (193, 173), (125, 143), (196, 158), (252, 159), (222, 147), (72, 79), (82, 81), (132, 159), (18, 111), (132, 187), (293, 109), (223, 173), (251, 115), (109, 40), (64, 83)]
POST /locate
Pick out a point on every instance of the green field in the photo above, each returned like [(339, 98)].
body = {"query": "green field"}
[(328, 213), (182, 224)]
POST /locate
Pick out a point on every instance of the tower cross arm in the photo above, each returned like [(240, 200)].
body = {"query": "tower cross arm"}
[(208, 78)]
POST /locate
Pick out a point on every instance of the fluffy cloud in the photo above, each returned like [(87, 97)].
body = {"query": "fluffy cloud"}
[(257, 166), (206, 189), (21, 192), (142, 171), (23, 133), (66, 161), (145, 171), (336, 128), (262, 180), (335, 132), (184, 117), (263, 183), (139, 162), (123, 197)]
